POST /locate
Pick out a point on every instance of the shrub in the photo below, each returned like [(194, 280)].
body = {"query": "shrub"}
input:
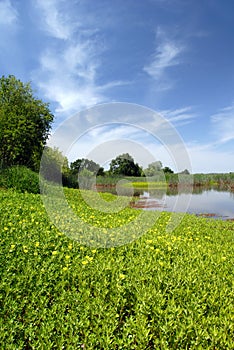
[(20, 178)]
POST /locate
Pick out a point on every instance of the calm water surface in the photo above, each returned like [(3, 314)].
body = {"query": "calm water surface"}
[(211, 203)]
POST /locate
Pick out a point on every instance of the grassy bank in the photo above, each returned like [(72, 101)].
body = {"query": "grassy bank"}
[(163, 291), (172, 180)]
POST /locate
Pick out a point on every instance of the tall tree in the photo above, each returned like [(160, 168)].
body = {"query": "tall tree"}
[(25, 122), (124, 165)]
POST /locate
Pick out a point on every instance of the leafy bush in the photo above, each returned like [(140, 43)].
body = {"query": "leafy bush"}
[(20, 178)]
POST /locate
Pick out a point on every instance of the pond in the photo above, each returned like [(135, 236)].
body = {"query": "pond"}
[(213, 202)]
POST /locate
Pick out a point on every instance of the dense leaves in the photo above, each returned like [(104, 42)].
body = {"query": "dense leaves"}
[(125, 165), (25, 122), (19, 178), (86, 164)]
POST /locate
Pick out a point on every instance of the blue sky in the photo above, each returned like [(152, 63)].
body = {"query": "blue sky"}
[(173, 56)]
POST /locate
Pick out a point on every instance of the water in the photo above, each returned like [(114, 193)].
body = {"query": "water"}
[(209, 203), (214, 202)]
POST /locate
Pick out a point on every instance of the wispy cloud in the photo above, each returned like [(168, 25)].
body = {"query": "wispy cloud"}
[(69, 65), (54, 20), (8, 13), (67, 76), (167, 54), (67, 71), (180, 116), (223, 124)]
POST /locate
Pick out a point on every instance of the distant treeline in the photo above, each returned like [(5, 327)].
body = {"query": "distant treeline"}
[(173, 179)]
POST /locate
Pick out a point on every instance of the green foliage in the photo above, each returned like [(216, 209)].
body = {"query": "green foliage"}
[(80, 173), (164, 291), (86, 179), (173, 180), (185, 172), (124, 165), (167, 170), (81, 164), (221, 179), (153, 168), (54, 165), (25, 122), (20, 179)]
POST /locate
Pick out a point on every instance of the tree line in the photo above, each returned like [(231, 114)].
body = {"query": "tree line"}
[(25, 124)]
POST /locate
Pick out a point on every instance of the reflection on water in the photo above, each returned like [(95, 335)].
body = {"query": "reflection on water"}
[(205, 201)]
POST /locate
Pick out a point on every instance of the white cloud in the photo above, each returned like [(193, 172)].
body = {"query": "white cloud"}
[(102, 141), (67, 77), (179, 117), (54, 22), (8, 13), (223, 124), (203, 158), (167, 54), (68, 70), (208, 159)]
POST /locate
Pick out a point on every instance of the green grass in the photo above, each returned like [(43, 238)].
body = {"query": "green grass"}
[(166, 290), (147, 185)]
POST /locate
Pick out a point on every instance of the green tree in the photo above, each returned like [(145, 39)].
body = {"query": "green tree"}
[(25, 122), (153, 168), (124, 165), (185, 172), (167, 170), (82, 164)]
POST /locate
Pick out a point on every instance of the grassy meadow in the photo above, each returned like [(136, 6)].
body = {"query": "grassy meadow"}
[(165, 290)]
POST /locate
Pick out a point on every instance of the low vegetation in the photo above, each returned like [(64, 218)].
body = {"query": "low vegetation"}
[(165, 290), (19, 178)]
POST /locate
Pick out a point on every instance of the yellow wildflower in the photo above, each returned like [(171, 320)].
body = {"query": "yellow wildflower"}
[(89, 258)]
